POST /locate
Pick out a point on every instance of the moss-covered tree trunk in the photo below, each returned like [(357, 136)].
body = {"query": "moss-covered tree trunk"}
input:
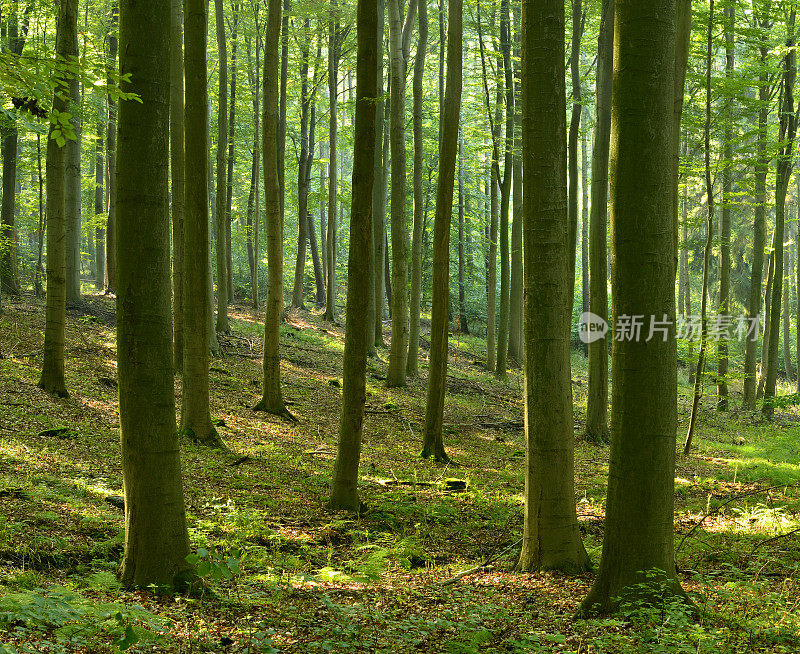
[(639, 515), (550, 530), (177, 160), (197, 312), (597, 397), (156, 538), (412, 364), (272, 399), (52, 378), (344, 490)]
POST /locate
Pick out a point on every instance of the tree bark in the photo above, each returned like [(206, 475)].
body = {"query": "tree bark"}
[(463, 320), (574, 127), (72, 189), (333, 181), (156, 536), (177, 164), (272, 399), (344, 490), (639, 516), (551, 540), (197, 302), (433, 443), (412, 365), (597, 396), (515, 330), (223, 325), (111, 159), (52, 378)]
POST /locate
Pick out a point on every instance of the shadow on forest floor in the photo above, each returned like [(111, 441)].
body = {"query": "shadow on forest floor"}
[(311, 580)]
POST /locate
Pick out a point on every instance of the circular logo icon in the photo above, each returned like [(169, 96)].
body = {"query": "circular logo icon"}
[(591, 327)]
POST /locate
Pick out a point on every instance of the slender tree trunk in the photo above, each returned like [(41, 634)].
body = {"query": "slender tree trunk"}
[(515, 330), (254, 77), (213, 342), (725, 220), (319, 278), (197, 311), (491, 271), (463, 320), (639, 516), (344, 490), (399, 44), (585, 227), (156, 537), (551, 539), (333, 181), (416, 238), (783, 173), (323, 226), (574, 128), (111, 159), (375, 315), (52, 378), (177, 169), (433, 443), (99, 206), (505, 195), (37, 282), (231, 151), (597, 397), (222, 168), (787, 308), (698, 381), (272, 400), (302, 188), (72, 189)]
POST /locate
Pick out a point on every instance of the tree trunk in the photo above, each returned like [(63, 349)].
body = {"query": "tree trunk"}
[(156, 537), (333, 181), (72, 189), (254, 77), (597, 395), (223, 326), (515, 330), (640, 505), (231, 149), (177, 160), (433, 443), (725, 220), (344, 489), (416, 238), (52, 378), (574, 127), (197, 311), (783, 173), (302, 176), (505, 195), (111, 159), (99, 206), (272, 400), (463, 321), (399, 44), (551, 540), (319, 279), (787, 308)]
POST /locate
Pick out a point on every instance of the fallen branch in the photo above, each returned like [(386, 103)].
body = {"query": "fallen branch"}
[(461, 575)]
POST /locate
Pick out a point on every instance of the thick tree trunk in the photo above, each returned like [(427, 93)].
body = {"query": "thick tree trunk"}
[(197, 302), (551, 539), (597, 396), (52, 378), (156, 537), (344, 489), (433, 444), (639, 516), (177, 160), (72, 190), (416, 238), (223, 326), (272, 399)]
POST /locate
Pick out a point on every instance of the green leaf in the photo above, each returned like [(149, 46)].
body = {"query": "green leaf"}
[(192, 559), (203, 568), (202, 552)]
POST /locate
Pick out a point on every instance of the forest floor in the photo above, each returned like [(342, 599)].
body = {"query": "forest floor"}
[(286, 574)]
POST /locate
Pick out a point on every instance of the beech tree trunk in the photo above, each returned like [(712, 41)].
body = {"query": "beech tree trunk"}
[(551, 540), (156, 537), (177, 160), (72, 189), (344, 489), (333, 180), (223, 326), (433, 443), (302, 188), (111, 159)]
